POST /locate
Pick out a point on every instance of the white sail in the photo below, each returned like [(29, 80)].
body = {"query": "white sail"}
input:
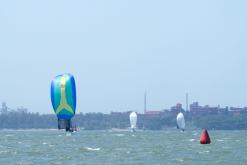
[(180, 121), (133, 120)]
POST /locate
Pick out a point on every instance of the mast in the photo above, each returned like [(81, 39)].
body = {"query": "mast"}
[(187, 107), (145, 102)]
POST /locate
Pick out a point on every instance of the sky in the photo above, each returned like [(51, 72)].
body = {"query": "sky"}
[(117, 50)]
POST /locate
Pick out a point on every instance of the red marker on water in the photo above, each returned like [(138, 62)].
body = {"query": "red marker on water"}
[(205, 139)]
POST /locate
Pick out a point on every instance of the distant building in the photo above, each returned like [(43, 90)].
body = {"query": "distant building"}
[(196, 109), (119, 113), (177, 108), (22, 110), (152, 113), (244, 109), (236, 111), (4, 108), (116, 113), (126, 113)]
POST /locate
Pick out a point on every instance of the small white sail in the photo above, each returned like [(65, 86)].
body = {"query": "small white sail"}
[(133, 120), (180, 121)]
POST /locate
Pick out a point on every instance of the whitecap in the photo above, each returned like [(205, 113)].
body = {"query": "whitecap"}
[(179, 160), (192, 140), (68, 134), (220, 140), (119, 135), (9, 135), (202, 152), (92, 149)]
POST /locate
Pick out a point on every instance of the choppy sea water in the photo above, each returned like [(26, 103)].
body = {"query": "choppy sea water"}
[(122, 147)]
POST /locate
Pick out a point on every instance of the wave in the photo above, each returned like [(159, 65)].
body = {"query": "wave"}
[(92, 149)]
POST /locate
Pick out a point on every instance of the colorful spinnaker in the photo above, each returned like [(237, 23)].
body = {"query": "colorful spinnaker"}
[(63, 98)]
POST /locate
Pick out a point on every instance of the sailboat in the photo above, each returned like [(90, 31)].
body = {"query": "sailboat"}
[(180, 121), (133, 121), (63, 98)]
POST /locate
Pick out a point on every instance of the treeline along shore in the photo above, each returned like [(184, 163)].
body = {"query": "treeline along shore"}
[(120, 120)]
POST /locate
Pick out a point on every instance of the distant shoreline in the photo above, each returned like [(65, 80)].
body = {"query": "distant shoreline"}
[(21, 120)]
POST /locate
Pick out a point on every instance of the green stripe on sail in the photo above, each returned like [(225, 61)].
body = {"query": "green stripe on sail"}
[(63, 92)]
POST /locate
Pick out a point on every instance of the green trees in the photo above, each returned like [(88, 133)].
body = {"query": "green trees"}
[(100, 121), (26, 120), (222, 122)]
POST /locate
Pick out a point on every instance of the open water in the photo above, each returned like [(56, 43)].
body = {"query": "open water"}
[(122, 147)]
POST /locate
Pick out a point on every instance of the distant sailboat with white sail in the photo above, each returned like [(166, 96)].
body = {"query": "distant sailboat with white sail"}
[(133, 121), (180, 121)]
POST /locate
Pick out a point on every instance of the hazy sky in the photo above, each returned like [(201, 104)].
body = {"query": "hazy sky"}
[(117, 49)]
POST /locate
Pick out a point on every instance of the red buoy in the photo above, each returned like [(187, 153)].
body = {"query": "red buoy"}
[(205, 139)]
